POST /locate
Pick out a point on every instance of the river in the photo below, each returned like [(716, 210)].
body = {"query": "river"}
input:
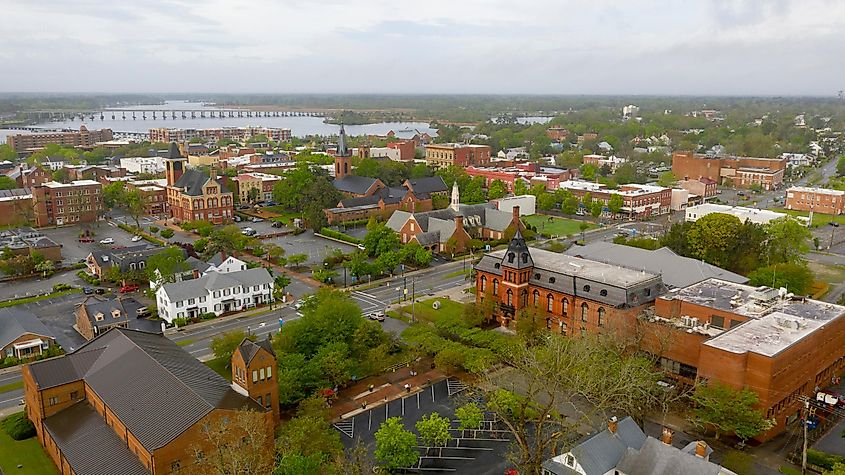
[(299, 126)]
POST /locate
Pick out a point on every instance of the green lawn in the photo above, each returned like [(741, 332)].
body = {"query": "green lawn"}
[(819, 219), (27, 453), (11, 386), (284, 215), (220, 366), (11, 303), (423, 309), (552, 225), (184, 342), (457, 273)]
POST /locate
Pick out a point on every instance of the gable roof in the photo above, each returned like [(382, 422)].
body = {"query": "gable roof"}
[(248, 349), (676, 271), (169, 390), (354, 184), (658, 458), (18, 322), (427, 185), (193, 180), (600, 453), (212, 281)]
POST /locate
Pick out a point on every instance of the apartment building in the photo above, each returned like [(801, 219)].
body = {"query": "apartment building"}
[(135, 403), (703, 187), (193, 194), (742, 172), (638, 200), (153, 195), (16, 206), (443, 155), (59, 204), (136, 165), (83, 139), (532, 173), (817, 200), (167, 135), (263, 183)]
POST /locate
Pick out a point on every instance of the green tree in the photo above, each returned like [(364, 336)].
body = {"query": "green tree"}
[(520, 187), (133, 202), (470, 417), (252, 195), (496, 190), (434, 430), (295, 260), (596, 208), (223, 345), (570, 205), (396, 447), (7, 153), (713, 238), (46, 268), (473, 191), (113, 194), (61, 175), (227, 239), (281, 282), (308, 443), (615, 203), (840, 166), (795, 277), (7, 183), (547, 201), (626, 173), (786, 240), (380, 240), (666, 179), (729, 410), (589, 171), (169, 262), (838, 469)]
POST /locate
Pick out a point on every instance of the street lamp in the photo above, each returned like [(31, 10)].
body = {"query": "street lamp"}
[(833, 226)]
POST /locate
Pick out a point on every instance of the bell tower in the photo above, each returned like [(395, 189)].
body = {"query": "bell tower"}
[(174, 164), (254, 374), (343, 157)]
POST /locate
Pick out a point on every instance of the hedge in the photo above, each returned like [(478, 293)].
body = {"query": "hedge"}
[(90, 279), (166, 233), (823, 459), (18, 426), (340, 236)]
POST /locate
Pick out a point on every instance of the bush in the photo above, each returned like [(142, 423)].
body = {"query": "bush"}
[(208, 316), (340, 236), (90, 279), (60, 287), (18, 426), (823, 459), (180, 322), (154, 229), (167, 233)]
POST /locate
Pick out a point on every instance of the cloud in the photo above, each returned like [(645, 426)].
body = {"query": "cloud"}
[(437, 46)]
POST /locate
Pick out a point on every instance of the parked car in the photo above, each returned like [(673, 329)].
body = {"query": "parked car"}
[(143, 312), (87, 290), (86, 239), (107, 241), (256, 219), (277, 224), (99, 291), (248, 232), (129, 288), (238, 219), (136, 238), (362, 247), (377, 316)]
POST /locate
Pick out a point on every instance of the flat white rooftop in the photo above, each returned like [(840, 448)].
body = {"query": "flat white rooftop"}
[(820, 191), (760, 216)]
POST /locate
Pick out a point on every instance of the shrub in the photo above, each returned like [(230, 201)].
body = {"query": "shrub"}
[(90, 279), (154, 229), (180, 322), (823, 459), (167, 233), (340, 236), (207, 316), (18, 426), (60, 287)]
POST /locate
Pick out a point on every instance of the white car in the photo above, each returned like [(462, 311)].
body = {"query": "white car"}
[(257, 220), (107, 241), (136, 238)]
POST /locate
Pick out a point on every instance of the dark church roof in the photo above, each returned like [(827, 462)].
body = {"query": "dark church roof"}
[(248, 349), (193, 180), (173, 152), (354, 184), (427, 185), (518, 256)]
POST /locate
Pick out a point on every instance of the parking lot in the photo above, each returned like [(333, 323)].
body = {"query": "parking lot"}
[(484, 454), (315, 247), (74, 251)]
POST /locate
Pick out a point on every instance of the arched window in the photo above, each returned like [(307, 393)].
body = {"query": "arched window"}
[(483, 283), (536, 297), (511, 257), (495, 286), (524, 299), (564, 309), (584, 310), (562, 327), (601, 316), (550, 302), (510, 298)]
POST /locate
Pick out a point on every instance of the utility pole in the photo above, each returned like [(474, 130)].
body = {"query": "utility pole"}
[(413, 299), (807, 414)]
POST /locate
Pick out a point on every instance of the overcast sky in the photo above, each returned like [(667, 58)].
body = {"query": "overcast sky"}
[(732, 47)]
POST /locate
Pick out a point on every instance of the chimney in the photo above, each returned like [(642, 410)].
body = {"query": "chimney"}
[(666, 438), (701, 449), (516, 212), (459, 222), (612, 424)]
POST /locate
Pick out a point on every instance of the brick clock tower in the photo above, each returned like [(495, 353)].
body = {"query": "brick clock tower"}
[(517, 266), (174, 164), (343, 157), (254, 374)]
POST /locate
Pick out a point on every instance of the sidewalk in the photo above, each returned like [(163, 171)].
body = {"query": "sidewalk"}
[(226, 318)]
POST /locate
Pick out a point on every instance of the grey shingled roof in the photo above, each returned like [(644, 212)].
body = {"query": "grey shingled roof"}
[(676, 271), (354, 184), (193, 181), (427, 185), (248, 349), (89, 444), (167, 393), (193, 288), (16, 322), (658, 458), (601, 452)]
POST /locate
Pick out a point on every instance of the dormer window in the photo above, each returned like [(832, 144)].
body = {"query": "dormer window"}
[(115, 313), (551, 280), (497, 265), (511, 257), (570, 460), (525, 258), (98, 317), (586, 288)]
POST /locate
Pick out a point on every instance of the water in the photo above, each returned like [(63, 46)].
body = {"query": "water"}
[(299, 126)]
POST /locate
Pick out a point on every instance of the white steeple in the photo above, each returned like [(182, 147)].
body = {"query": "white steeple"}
[(456, 197)]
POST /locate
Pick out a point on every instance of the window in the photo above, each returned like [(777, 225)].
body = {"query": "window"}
[(511, 257), (191, 301), (255, 376), (74, 395), (202, 299), (583, 331), (586, 288), (603, 292), (269, 372), (260, 401), (524, 299), (550, 302), (268, 401), (536, 296), (570, 460), (601, 316), (562, 328), (483, 283), (584, 310), (564, 306), (510, 298), (54, 400), (261, 374), (495, 286), (551, 280), (717, 321)]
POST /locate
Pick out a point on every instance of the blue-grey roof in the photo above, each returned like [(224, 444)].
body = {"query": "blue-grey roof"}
[(601, 452), (427, 185), (16, 322), (354, 184), (658, 458), (193, 288), (193, 181)]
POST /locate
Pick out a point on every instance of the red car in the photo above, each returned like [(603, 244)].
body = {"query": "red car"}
[(129, 288)]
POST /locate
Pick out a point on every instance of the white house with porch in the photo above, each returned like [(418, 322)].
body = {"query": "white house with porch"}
[(22, 335)]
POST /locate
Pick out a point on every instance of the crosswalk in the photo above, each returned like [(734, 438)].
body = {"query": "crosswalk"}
[(346, 427), (454, 386), (368, 302)]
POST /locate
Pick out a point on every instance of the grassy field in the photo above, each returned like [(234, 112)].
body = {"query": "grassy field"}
[(459, 272), (11, 303), (27, 453), (818, 218), (219, 365), (184, 342), (283, 215), (11, 386), (423, 309), (552, 225)]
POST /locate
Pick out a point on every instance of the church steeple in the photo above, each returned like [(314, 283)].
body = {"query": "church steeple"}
[(343, 157), (456, 197), (342, 146)]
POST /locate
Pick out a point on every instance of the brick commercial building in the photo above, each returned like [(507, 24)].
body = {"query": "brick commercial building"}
[(443, 155), (742, 172), (135, 403), (575, 295), (23, 241), (263, 183), (531, 173), (703, 187), (29, 177), (167, 135), (59, 204), (557, 133), (153, 195), (194, 195), (83, 139), (407, 149), (94, 172), (16, 207), (817, 200), (778, 345), (415, 195), (638, 200)]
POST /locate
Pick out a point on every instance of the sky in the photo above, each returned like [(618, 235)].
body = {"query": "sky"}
[(628, 47)]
